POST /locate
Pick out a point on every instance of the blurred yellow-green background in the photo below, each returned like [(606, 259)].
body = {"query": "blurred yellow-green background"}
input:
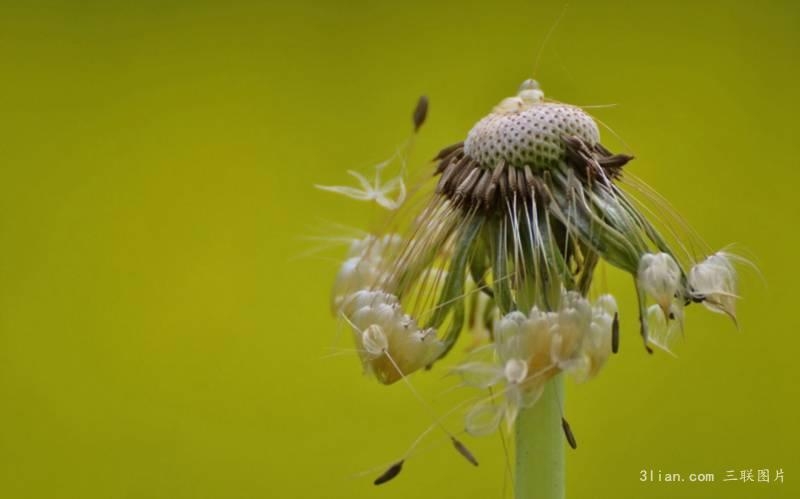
[(165, 332)]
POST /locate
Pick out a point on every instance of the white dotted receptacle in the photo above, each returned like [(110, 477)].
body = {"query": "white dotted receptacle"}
[(528, 136)]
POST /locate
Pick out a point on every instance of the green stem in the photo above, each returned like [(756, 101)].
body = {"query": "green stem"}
[(540, 446)]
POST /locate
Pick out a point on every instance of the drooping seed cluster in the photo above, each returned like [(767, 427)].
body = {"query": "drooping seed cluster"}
[(389, 341), (530, 348), (661, 280)]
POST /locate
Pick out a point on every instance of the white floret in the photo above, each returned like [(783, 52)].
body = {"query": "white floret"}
[(714, 282), (390, 342), (660, 277), (363, 266)]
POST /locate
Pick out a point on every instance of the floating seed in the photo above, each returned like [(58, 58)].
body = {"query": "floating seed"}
[(462, 449), (392, 472), (420, 112)]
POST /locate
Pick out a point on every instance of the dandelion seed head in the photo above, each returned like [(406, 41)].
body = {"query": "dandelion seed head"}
[(524, 211)]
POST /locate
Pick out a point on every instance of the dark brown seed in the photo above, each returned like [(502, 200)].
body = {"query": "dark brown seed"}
[(392, 472), (466, 186), (529, 179), (503, 182), (643, 332), (602, 151), (482, 187), (499, 168), (448, 160), (512, 178), (615, 334), (568, 433), (448, 150), (615, 161), (420, 112), (464, 451), (445, 178)]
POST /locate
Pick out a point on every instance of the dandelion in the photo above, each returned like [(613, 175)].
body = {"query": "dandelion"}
[(524, 210)]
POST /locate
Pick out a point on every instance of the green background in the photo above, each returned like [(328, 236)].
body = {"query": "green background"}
[(165, 333)]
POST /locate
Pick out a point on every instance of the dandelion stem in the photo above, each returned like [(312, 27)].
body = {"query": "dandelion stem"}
[(540, 447)]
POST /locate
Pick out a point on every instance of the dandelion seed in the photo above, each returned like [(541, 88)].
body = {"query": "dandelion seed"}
[(663, 328), (462, 449), (713, 282), (380, 193), (420, 113), (389, 195), (568, 433), (659, 276), (389, 474)]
